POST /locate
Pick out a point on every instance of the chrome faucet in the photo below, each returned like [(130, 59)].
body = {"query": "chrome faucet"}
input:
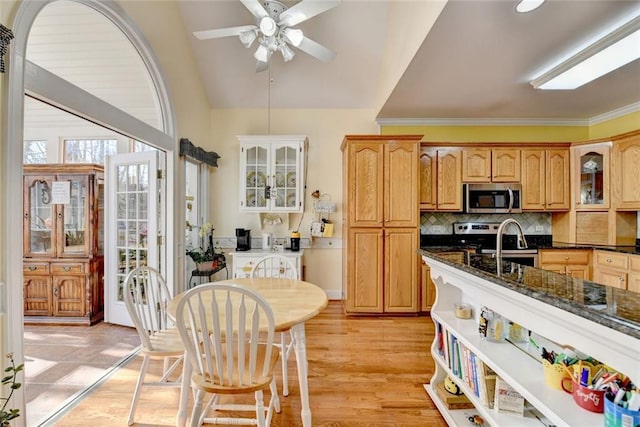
[(522, 242)]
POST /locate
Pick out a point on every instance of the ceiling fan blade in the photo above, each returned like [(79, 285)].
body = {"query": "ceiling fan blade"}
[(261, 66), (255, 7), (305, 10), (223, 32), (316, 50)]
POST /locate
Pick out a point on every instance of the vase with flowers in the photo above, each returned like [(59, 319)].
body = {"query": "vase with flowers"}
[(206, 259)]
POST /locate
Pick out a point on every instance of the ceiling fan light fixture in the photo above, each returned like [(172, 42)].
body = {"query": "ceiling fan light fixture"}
[(287, 53), (528, 5), (268, 26), (262, 54), (293, 36), (247, 38)]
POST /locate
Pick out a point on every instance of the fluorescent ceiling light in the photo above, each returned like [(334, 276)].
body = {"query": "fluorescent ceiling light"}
[(611, 52), (528, 5)]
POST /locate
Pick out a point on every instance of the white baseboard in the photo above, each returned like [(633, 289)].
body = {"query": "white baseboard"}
[(334, 295)]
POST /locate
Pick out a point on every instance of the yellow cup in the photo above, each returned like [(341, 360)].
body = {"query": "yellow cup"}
[(554, 374)]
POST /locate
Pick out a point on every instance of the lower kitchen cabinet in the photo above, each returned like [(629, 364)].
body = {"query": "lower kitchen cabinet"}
[(382, 271), (427, 289), (611, 269), (575, 262)]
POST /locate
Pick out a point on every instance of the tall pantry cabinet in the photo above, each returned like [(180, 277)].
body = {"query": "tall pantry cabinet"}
[(381, 223)]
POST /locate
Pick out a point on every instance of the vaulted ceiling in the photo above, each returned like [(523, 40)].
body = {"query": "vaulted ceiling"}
[(475, 62)]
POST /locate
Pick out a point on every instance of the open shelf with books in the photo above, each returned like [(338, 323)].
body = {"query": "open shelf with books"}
[(458, 348)]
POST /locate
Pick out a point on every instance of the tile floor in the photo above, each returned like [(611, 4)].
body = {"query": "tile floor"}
[(62, 361)]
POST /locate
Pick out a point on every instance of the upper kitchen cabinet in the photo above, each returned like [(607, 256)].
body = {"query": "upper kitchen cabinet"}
[(449, 179), (490, 165), (591, 176), (545, 179), (385, 170), (272, 173), (440, 178), (625, 167)]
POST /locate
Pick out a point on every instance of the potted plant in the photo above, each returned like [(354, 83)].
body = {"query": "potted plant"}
[(205, 259), (11, 373)]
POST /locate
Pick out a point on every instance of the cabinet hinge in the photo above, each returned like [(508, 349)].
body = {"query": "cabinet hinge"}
[(161, 174), (159, 240)]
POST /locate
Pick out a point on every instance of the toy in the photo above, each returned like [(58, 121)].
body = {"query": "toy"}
[(451, 387)]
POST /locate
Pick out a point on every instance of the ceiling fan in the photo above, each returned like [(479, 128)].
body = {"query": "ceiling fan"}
[(274, 30)]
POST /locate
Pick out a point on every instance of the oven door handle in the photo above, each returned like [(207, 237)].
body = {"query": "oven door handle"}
[(510, 199)]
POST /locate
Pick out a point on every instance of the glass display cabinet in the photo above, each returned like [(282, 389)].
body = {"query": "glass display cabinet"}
[(63, 235), (592, 176), (272, 173)]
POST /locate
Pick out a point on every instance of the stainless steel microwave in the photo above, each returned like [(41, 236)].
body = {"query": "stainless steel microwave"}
[(493, 198)]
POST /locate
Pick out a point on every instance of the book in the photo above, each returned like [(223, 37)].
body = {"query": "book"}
[(453, 401), (507, 400)]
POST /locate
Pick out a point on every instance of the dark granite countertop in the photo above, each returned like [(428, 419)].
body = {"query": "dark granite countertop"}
[(614, 308), (630, 249)]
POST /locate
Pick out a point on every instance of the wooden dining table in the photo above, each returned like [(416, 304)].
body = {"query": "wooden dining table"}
[(293, 303)]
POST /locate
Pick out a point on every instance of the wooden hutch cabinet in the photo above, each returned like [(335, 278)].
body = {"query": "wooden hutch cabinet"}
[(63, 264)]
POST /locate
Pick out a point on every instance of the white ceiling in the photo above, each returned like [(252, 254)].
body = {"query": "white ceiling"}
[(475, 62)]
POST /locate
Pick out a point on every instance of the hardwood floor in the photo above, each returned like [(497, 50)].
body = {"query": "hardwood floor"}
[(364, 371)]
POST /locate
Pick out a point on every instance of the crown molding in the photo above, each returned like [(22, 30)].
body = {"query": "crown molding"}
[(481, 122), (614, 114)]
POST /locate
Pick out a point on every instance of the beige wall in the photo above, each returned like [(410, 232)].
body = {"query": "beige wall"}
[(325, 130)]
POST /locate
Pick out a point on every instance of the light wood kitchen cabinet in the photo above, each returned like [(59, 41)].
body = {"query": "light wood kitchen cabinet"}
[(401, 270), (440, 179), (476, 165), (428, 178), (63, 264), (591, 176), (505, 165), (491, 165), (381, 223), (626, 172), (449, 196), (633, 283), (365, 273), (574, 262), (545, 179), (612, 268)]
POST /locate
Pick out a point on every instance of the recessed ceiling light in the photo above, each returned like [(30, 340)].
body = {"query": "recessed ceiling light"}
[(528, 5), (609, 53)]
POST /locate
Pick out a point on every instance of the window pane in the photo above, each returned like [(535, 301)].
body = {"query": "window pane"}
[(35, 152), (89, 150)]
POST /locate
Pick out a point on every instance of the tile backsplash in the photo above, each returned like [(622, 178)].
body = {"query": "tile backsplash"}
[(441, 222)]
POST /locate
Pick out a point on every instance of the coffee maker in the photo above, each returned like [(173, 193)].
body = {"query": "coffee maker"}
[(243, 239)]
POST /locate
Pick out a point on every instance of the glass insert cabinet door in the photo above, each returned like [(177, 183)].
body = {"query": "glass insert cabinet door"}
[(593, 177), (73, 217), (39, 216), (271, 173)]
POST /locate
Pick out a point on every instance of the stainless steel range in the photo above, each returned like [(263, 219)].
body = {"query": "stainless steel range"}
[(483, 236)]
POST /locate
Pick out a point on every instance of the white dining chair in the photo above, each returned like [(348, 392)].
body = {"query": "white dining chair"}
[(146, 297), (228, 334), (275, 265)]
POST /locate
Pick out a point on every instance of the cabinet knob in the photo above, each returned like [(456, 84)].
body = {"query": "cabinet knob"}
[(66, 268), (55, 291), (608, 260), (32, 268), (566, 258)]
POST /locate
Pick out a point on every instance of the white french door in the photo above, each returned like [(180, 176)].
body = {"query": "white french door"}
[(131, 225)]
